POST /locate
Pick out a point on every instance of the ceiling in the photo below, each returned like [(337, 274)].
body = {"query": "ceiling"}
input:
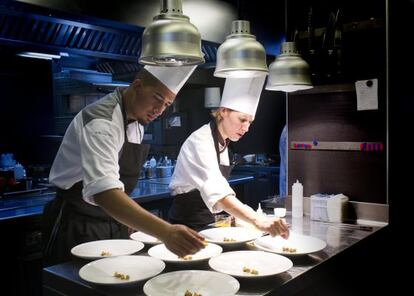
[(213, 17)]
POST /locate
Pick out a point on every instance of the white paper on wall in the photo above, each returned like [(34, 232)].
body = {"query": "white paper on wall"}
[(367, 94)]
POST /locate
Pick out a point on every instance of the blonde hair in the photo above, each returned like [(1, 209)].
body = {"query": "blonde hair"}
[(216, 114)]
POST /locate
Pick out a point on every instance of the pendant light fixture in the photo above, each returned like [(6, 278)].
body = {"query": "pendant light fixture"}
[(171, 40), (289, 72), (241, 55)]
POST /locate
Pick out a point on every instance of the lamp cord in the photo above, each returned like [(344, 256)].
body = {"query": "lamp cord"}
[(286, 18), (239, 9)]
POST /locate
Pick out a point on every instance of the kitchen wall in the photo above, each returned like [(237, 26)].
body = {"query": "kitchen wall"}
[(329, 112), (33, 113), (263, 135)]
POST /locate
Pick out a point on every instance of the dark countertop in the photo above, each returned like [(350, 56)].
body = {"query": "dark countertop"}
[(63, 279), (147, 190), (255, 167)]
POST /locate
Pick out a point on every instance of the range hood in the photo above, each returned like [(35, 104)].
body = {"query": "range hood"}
[(71, 80)]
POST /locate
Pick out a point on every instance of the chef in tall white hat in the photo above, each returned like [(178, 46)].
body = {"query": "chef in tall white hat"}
[(199, 183), (98, 165)]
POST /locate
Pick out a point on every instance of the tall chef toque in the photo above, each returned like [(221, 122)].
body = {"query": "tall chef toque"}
[(172, 77), (242, 94)]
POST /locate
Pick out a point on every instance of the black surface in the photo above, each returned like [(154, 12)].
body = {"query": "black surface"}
[(333, 117)]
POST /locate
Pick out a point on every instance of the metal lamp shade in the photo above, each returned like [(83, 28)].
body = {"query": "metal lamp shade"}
[(241, 55), (171, 40), (289, 72)]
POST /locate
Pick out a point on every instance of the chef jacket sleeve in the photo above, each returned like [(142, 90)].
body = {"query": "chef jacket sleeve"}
[(199, 167), (101, 141)]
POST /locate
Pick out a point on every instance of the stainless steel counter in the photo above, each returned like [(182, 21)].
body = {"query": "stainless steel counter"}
[(63, 279), (146, 191)]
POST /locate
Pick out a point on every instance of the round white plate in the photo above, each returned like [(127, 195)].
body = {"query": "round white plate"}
[(303, 244), (161, 252), (206, 283), (137, 267), (238, 234), (115, 247), (266, 264), (145, 238)]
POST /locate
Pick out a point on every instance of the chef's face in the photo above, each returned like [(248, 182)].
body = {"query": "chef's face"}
[(235, 124), (150, 101)]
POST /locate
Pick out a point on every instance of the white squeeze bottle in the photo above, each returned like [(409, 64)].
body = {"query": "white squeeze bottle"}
[(259, 210), (297, 199)]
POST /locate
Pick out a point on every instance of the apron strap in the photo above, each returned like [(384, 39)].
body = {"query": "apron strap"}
[(55, 229)]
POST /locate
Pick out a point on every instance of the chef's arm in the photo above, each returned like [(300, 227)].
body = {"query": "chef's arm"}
[(233, 206), (178, 238)]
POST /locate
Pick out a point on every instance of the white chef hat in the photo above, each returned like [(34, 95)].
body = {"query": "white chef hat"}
[(242, 94), (172, 77)]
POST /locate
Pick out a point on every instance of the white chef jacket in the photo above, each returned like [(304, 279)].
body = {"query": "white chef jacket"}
[(90, 151), (197, 168)]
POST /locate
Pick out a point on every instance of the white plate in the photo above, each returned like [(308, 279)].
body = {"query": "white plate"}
[(161, 252), (145, 238), (303, 244), (115, 247), (206, 283), (137, 267), (239, 234), (266, 264)]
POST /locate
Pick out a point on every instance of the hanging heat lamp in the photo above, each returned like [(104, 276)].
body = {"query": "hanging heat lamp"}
[(241, 55), (289, 72), (171, 40)]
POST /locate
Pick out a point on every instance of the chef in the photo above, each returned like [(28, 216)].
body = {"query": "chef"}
[(199, 183), (98, 165)]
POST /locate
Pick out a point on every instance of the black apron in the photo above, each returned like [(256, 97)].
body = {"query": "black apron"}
[(189, 208), (68, 220)]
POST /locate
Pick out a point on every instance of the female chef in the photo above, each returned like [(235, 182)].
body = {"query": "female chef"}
[(199, 184)]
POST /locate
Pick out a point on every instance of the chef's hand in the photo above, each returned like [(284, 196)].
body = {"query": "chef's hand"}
[(183, 241), (274, 226)]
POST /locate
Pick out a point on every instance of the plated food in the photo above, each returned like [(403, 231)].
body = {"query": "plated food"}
[(296, 244), (202, 282), (189, 293), (106, 248), (161, 252), (230, 235), (248, 264), (121, 270)]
